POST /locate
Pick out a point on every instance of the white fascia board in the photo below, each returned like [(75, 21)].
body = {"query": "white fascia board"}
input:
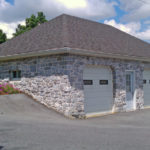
[(74, 51)]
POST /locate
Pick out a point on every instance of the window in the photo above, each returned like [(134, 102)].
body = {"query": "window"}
[(128, 83), (103, 82), (88, 82), (144, 81), (15, 75)]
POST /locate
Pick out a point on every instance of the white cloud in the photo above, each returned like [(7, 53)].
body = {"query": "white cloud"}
[(3, 4), (145, 35), (9, 28), (136, 9), (132, 28), (71, 4), (11, 15), (97, 9)]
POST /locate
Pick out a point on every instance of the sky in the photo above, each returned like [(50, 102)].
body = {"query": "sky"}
[(131, 16)]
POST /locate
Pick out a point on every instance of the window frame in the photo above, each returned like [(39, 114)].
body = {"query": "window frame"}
[(144, 81), (15, 75), (88, 82), (103, 82)]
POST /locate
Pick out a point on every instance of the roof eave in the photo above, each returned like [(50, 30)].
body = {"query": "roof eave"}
[(71, 51)]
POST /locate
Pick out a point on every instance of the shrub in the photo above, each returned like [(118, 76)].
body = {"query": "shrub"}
[(8, 89)]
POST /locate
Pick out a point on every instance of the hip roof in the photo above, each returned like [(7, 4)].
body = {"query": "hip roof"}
[(76, 33)]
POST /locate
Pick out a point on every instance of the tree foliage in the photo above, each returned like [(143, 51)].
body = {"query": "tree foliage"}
[(30, 23), (41, 18), (3, 37)]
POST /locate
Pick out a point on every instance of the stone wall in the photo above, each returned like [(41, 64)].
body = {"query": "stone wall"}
[(48, 80), (119, 68), (57, 81), (55, 92)]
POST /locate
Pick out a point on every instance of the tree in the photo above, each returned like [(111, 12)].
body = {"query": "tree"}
[(41, 18), (30, 23), (3, 37), (20, 29)]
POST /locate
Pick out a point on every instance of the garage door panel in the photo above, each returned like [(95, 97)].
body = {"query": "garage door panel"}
[(97, 74), (92, 101), (146, 87), (94, 93), (97, 84), (97, 77), (98, 96), (105, 91), (92, 108)]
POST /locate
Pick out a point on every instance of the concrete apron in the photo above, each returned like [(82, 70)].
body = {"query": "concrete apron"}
[(146, 107), (99, 114)]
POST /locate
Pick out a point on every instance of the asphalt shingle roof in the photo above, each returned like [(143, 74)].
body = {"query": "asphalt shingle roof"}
[(77, 33)]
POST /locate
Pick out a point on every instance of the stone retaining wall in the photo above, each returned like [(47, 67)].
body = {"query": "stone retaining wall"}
[(55, 92)]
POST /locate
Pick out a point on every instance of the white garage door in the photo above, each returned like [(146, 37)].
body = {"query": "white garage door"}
[(98, 89), (146, 87)]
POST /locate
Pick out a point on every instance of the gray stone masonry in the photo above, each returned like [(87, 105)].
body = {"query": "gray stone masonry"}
[(57, 81)]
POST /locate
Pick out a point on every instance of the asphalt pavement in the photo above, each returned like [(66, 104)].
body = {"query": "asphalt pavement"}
[(28, 125)]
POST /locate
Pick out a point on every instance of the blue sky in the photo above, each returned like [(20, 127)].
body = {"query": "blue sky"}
[(131, 16), (10, 1)]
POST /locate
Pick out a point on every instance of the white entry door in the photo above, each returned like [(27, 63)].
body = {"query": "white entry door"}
[(98, 91), (129, 90)]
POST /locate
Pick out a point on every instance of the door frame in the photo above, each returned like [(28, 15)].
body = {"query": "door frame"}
[(134, 90)]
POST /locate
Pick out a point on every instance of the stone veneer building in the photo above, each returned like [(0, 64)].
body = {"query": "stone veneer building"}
[(79, 67)]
